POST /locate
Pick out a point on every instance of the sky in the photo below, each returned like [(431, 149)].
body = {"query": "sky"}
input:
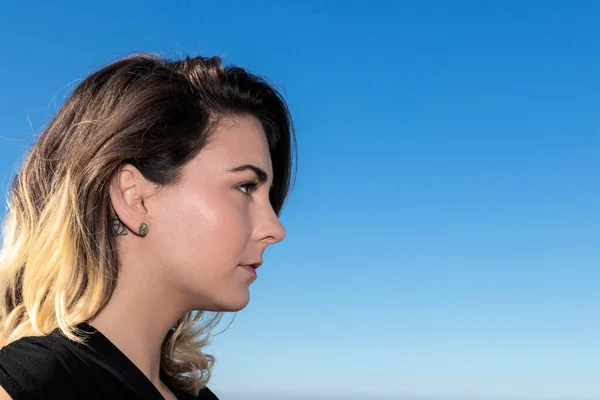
[(444, 226)]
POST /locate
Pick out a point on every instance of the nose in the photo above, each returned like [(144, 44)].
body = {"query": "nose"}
[(270, 230)]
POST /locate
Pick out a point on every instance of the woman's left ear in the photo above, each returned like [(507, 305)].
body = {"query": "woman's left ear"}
[(127, 190)]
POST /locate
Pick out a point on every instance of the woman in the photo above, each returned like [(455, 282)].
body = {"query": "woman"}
[(147, 202)]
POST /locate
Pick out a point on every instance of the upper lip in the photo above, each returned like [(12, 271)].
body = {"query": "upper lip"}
[(255, 265)]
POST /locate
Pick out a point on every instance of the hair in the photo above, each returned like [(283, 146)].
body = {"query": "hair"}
[(58, 262)]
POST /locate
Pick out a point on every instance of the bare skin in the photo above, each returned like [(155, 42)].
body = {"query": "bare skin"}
[(203, 231)]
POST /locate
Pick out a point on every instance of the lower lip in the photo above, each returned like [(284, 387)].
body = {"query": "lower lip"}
[(250, 270)]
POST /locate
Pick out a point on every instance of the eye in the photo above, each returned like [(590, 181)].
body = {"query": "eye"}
[(248, 188)]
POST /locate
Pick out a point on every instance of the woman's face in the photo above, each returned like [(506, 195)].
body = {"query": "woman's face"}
[(206, 230)]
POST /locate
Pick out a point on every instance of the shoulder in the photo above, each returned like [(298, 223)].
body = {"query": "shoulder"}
[(206, 394), (34, 366)]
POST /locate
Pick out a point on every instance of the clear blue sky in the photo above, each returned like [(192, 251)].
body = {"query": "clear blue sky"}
[(443, 235)]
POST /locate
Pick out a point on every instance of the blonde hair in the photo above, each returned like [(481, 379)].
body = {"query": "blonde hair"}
[(58, 262)]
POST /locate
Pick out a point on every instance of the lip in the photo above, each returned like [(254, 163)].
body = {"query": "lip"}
[(251, 269)]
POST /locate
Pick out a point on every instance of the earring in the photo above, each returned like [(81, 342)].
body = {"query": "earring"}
[(143, 229)]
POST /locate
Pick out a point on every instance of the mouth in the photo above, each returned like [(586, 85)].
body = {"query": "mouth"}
[(251, 269), (253, 265)]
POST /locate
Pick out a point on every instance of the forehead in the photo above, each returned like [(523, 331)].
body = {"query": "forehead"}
[(236, 141)]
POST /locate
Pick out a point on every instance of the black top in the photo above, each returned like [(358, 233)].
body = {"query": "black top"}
[(54, 367)]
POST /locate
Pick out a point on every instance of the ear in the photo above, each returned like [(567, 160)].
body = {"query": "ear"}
[(127, 189)]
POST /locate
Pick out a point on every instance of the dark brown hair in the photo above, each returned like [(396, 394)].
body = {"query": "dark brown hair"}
[(58, 264)]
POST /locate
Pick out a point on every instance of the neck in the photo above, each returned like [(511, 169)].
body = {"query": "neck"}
[(136, 319)]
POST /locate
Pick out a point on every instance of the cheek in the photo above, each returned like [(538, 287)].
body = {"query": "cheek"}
[(204, 229), (227, 230), (189, 221)]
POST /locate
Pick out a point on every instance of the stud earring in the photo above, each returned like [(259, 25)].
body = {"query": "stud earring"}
[(143, 229)]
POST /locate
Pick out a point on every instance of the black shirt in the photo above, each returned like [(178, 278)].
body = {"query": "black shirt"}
[(54, 367)]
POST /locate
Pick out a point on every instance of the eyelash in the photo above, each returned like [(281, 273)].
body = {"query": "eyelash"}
[(251, 187)]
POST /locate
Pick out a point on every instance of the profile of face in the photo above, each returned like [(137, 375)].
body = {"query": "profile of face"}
[(208, 229)]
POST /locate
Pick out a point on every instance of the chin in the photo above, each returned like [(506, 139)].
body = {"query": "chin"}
[(235, 308), (232, 304), (239, 303)]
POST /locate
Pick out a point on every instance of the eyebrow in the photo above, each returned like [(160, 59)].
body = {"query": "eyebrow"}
[(260, 173)]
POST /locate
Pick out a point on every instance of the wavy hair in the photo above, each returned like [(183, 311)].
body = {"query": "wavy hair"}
[(58, 262)]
